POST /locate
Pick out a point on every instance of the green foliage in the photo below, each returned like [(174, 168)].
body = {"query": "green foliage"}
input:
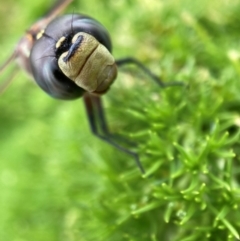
[(58, 182)]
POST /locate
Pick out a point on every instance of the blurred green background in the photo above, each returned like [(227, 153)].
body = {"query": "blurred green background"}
[(59, 182)]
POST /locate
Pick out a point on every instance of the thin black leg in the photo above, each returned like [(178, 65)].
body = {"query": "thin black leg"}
[(130, 60), (99, 127), (103, 123)]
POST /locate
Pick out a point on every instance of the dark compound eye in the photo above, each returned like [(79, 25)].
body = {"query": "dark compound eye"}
[(73, 56)]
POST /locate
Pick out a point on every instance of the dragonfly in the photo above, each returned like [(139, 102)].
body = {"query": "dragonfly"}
[(69, 57)]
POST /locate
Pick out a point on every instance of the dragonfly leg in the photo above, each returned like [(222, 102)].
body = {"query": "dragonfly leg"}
[(137, 63), (99, 127)]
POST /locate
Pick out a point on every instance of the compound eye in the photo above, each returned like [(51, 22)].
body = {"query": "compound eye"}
[(72, 56), (87, 62)]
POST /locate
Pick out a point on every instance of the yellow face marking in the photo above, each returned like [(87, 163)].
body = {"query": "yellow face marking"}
[(91, 67), (59, 42), (40, 34)]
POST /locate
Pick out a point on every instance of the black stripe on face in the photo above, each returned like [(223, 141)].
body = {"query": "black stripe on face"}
[(73, 48)]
